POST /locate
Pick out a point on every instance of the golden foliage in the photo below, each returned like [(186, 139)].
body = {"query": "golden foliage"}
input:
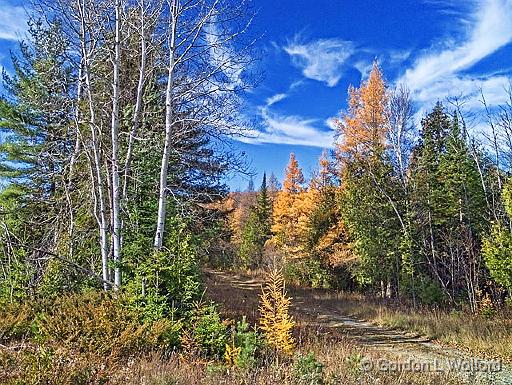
[(239, 205), (334, 248), (294, 179), (364, 128), (231, 354), (291, 212), (275, 321)]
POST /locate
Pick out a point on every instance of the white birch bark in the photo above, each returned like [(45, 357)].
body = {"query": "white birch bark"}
[(162, 197), (87, 51), (116, 221), (139, 98)]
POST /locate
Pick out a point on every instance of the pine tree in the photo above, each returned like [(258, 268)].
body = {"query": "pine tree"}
[(39, 202)]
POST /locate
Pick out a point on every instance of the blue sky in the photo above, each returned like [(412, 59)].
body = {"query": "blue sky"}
[(313, 50)]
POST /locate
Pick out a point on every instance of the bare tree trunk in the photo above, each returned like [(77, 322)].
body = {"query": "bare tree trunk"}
[(116, 222), (162, 198), (494, 138), (74, 155), (138, 102), (95, 147)]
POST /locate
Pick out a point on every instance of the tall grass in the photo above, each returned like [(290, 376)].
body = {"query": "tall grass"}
[(480, 334)]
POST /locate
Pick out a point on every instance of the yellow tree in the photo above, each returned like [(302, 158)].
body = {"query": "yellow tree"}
[(327, 237), (363, 130), (238, 204), (275, 320), (289, 211), (294, 179)]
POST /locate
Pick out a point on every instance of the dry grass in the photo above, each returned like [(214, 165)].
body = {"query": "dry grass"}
[(474, 333), (491, 338), (341, 360), (69, 362)]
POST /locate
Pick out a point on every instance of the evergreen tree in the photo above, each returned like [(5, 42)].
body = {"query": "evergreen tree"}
[(366, 198), (42, 189), (273, 186), (448, 205), (250, 186), (497, 246), (256, 230), (264, 209)]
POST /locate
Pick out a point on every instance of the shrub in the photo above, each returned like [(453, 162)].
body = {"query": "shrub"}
[(429, 292), (275, 320), (209, 332), (308, 272), (90, 322), (249, 342), (486, 307), (16, 321), (308, 370)]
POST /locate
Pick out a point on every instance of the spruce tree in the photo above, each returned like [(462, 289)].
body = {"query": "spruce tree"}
[(448, 205), (256, 231)]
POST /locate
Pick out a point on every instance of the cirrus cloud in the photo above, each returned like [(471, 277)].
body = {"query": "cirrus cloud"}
[(489, 30), (14, 21), (322, 60)]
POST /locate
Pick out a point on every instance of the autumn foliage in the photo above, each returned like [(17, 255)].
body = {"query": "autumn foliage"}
[(290, 214), (363, 129), (275, 321)]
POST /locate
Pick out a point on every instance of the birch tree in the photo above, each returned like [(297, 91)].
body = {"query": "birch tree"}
[(200, 38), (123, 110), (116, 220)]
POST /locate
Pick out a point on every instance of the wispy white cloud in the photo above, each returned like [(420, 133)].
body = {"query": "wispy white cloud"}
[(13, 21), (331, 122), (470, 87), (364, 67), (322, 60), (224, 56), (398, 56), (275, 99), (488, 30), (290, 129)]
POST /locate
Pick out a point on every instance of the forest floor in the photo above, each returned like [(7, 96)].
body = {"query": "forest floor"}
[(323, 312)]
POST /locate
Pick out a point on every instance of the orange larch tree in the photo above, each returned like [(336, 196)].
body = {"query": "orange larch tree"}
[(289, 214), (294, 179), (363, 130)]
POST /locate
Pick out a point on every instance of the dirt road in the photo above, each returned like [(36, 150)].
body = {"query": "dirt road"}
[(239, 296)]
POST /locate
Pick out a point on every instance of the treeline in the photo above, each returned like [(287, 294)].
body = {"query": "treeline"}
[(115, 123), (418, 212)]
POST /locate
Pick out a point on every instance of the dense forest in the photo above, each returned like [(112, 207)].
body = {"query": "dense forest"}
[(116, 130), (405, 211)]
